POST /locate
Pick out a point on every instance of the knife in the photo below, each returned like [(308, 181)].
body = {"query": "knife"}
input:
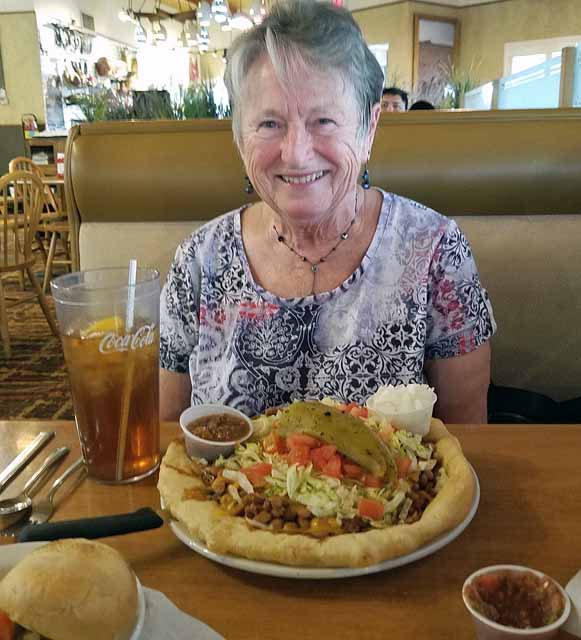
[(101, 527), (23, 458)]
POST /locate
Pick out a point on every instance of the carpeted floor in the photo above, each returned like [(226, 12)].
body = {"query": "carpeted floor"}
[(33, 382)]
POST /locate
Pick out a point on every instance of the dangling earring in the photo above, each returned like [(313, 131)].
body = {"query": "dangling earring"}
[(248, 185), (365, 178)]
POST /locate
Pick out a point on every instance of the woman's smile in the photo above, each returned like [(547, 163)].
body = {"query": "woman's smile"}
[(303, 179)]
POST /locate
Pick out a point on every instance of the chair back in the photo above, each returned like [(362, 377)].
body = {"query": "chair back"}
[(22, 163), (21, 202)]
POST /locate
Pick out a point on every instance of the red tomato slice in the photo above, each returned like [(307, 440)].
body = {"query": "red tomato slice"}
[(6, 627), (328, 451), (372, 481), (273, 443), (303, 440), (299, 454), (257, 472), (318, 458), (403, 465), (332, 467), (352, 470), (370, 508)]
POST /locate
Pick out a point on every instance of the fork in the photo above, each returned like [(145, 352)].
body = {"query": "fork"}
[(43, 509)]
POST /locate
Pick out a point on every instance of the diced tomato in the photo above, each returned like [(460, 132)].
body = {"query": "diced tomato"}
[(318, 458), (372, 481), (321, 455), (386, 432), (403, 464), (370, 508), (359, 412), (328, 451), (352, 470), (347, 408), (299, 454), (332, 467), (488, 582), (303, 440), (273, 443), (257, 472), (6, 627)]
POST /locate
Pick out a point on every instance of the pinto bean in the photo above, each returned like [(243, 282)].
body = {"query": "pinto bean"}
[(263, 517)]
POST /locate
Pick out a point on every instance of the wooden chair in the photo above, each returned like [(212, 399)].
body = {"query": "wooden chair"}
[(53, 221), (21, 203)]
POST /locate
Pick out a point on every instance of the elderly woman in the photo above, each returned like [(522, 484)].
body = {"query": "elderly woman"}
[(324, 287)]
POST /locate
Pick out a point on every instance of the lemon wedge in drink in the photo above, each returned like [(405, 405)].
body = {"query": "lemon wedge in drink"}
[(105, 325)]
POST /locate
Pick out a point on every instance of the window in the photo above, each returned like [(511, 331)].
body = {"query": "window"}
[(380, 53), (519, 56)]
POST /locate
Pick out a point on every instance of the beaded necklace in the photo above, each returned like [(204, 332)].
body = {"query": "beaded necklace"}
[(315, 265)]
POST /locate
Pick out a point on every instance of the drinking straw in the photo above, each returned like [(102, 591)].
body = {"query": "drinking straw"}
[(126, 398)]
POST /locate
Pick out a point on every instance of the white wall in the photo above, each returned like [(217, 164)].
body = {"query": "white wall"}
[(9, 6)]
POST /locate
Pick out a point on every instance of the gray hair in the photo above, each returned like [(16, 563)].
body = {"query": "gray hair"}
[(303, 34)]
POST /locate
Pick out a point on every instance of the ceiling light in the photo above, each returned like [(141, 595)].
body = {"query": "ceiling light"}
[(203, 39), (190, 33), (241, 21), (140, 33), (204, 14), (220, 11), (159, 31), (257, 12)]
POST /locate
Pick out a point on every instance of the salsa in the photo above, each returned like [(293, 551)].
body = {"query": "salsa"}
[(222, 427), (520, 599)]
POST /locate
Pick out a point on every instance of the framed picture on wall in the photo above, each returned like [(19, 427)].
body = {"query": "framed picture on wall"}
[(3, 95)]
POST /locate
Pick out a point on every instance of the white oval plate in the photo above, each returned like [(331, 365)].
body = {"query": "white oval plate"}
[(313, 573), (12, 554)]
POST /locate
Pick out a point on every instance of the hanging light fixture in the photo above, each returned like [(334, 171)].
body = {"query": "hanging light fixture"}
[(220, 11), (257, 11), (203, 38), (190, 33), (204, 14), (159, 31), (140, 33), (241, 21), (124, 15)]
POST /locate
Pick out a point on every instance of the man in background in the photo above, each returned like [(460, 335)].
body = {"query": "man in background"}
[(422, 105), (394, 99)]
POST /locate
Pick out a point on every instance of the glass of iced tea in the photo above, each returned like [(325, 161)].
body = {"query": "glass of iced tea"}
[(110, 335)]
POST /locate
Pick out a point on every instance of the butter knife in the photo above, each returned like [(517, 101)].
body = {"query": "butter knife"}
[(23, 458)]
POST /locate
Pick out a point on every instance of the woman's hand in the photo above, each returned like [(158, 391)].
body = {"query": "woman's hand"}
[(174, 394), (461, 384)]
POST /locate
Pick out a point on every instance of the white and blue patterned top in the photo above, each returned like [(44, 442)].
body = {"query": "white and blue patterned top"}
[(415, 296)]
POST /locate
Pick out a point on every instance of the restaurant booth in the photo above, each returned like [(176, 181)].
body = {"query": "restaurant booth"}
[(510, 179)]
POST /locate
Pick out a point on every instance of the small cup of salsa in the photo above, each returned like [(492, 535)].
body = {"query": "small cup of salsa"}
[(211, 430), (509, 602)]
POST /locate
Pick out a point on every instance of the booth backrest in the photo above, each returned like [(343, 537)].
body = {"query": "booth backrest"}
[(512, 179)]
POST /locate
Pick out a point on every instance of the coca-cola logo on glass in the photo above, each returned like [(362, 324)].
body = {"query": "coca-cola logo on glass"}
[(143, 337)]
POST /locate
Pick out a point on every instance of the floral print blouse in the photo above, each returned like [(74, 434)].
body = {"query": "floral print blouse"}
[(415, 296)]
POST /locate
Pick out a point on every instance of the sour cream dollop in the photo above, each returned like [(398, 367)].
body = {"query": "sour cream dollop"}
[(405, 406)]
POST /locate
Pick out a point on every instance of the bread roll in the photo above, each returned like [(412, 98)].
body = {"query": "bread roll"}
[(72, 589)]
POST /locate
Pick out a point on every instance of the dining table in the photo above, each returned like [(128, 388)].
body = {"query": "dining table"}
[(528, 514)]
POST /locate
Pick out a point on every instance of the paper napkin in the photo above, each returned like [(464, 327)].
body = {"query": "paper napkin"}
[(573, 588), (164, 621)]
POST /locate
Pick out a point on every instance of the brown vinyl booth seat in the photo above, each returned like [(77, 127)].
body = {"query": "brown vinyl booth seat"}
[(512, 180)]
